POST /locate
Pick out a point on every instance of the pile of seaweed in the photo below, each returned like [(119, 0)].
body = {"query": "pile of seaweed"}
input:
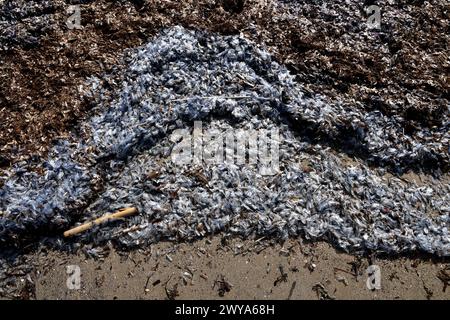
[(399, 70)]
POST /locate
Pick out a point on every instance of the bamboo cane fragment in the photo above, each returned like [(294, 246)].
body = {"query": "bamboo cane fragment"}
[(109, 217)]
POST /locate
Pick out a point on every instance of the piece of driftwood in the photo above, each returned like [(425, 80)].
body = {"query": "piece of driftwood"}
[(109, 217)]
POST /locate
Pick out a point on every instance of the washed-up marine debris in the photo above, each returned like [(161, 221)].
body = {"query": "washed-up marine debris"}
[(121, 157), (399, 69)]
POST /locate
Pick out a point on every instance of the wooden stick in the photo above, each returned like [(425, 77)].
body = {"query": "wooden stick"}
[(212, 97), (109, 217)]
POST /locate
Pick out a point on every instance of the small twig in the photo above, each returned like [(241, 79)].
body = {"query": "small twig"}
[(349, 272), (282, 278), (292, 290)]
